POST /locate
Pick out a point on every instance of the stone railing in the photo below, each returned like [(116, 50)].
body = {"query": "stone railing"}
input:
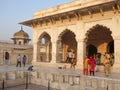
[(12, 78), (60, 80), (74, 82)]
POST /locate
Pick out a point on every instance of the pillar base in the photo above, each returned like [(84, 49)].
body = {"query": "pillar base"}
[(79, 66), (115, 68)]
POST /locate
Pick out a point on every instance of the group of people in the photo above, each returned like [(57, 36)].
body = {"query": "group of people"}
[(71, 58), (21, 60), (89, 64)]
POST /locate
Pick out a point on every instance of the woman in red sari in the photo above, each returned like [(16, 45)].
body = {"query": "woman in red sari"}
[(92, 65)]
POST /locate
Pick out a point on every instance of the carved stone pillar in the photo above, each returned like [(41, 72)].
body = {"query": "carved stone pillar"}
[(81, 49), (35, 51), (54, 49), (117, 51), (116, 36)]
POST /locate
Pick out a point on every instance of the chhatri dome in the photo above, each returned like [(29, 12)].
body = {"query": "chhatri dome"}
[(21, 37)]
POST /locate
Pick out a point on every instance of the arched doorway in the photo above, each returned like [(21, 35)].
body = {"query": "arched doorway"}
[(6, 58), (110, 47), (100, 37), (66, 42), (91, 50), (44, 48)]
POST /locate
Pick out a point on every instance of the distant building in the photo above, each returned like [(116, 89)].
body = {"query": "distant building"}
[(21, 37), (20, 45)]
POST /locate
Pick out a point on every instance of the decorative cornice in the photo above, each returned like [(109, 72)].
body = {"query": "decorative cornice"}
[(77, 13)]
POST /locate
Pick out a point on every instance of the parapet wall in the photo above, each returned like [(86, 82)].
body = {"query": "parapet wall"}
[(74, 82), (60, 80)]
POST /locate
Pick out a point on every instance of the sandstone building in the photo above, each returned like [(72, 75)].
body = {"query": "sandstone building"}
[(87, 27)]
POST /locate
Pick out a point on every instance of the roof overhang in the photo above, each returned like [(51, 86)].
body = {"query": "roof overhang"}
[(76, 12)]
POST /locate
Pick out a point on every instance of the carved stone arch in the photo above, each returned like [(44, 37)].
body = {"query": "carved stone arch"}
[(66, 41), (100, 36), (98, 30), (44, 49), (65, 31), (44, 35)]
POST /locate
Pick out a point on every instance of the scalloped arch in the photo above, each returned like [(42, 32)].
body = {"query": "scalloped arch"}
[(63, 32), (97, 28), (44, 34)]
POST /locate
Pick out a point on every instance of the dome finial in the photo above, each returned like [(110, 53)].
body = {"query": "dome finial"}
[(21, 27)]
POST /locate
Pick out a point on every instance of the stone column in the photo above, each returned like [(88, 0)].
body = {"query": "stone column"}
[(54, 49), (35, 52), (81, 49), (116, 36), (80, 43), (117, 51), (116, 65), (48, 51)]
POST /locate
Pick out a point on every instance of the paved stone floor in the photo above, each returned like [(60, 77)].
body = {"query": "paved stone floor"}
[(30, 87)]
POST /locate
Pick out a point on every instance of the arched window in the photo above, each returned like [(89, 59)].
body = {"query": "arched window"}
[(43, 41), (19, 42), (6, 56)]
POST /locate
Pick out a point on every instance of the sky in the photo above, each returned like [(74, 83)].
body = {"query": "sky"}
[(13, 12)]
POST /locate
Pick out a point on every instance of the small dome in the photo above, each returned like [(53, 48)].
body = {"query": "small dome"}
[(21, 34)]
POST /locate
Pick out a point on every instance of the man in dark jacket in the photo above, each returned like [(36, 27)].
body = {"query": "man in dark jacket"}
[(30, 68)]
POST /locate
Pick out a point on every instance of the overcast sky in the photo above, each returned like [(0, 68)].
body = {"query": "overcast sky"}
[(14, 11)]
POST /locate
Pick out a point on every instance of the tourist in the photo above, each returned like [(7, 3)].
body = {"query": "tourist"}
[(24, 60), (30, 68), (18, 60), (107, 64), (73, 62), (111, 59), (69, 56), (85, 65), (92, 65)]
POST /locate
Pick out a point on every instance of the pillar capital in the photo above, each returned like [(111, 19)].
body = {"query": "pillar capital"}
[(54, 41), (80, 40), (116, 37), (35, 42)]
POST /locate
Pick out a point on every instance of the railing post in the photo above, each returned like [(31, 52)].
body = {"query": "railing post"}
[(27, 78), (107, 87), (3, 85), (48, 84)]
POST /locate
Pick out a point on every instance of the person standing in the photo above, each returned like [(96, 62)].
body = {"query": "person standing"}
[(18, 60), (85, 65), (73, 62), (107, 64), (92, 65), (111, 59), (69, 56), (24, 60)]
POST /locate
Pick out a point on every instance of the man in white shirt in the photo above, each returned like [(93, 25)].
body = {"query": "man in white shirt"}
[(18, 60)]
